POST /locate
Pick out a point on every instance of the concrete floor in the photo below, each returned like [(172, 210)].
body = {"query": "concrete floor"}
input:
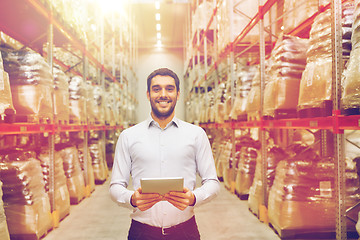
[(98, 218)]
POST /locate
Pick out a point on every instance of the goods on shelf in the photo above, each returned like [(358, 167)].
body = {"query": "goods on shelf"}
[(77, 93), (31, 84), (240, 21), (288, 60), (302, 197), (274, 155), (27, 206), (351, 85), (90, 103), (97, 100), (98, 162), (201, 17), (296, 12), (253, 99), (110, 103), (249, 152), (73, 173), (223, 161), (89, 180), (4, 232), (6, 103), (315, 95), (243, 87), (61, 192), (61, 96), (74, 17)]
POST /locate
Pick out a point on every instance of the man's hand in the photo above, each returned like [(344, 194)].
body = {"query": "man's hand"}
[(181, 200), (144, 201)]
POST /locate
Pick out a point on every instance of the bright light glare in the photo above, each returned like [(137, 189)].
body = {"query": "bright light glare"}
[(159, 44), (158, 27), (158, 35), (157, 5), (111, 5), (157, 16)]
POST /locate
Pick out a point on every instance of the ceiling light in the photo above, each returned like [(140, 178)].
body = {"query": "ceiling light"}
[(157, 16), (157, 5), (159, 44), (158, 35), (158, 27)]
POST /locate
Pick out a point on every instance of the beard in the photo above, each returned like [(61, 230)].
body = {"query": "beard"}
[(162, 114)]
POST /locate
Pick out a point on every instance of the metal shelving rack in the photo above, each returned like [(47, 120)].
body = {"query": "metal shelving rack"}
[(336, 123), (46, 27)]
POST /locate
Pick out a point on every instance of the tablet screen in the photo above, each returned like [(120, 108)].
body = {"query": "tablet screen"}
[(162, 185)]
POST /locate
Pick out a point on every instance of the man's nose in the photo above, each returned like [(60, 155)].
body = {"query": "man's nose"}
[(163, 92)]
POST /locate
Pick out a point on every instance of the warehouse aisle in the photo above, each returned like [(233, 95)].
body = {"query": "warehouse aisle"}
[(98, 218)]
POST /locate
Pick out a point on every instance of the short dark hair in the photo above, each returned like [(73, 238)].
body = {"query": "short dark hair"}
[(163, 72)]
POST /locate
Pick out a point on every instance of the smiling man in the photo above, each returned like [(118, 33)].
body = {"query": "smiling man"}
[(162, 147)]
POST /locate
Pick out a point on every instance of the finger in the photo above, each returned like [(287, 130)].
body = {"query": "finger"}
[(174, 199), (177, 204), (144, 205), (149, 195)]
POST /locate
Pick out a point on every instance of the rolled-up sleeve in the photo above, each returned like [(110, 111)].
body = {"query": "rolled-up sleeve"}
[(206, 168), (121, 173)]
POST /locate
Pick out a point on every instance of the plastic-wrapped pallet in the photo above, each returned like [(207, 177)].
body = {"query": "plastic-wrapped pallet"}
[(77, 93), (274, 155), (218, 156), (61, 96), (223, 161), (302, 198), (100, 168), (297, 12), (31, 84), (98, 96), (351, 84), (62, 196), (109, 102), (4, 232), (253, 99), (73, 173), (26, 204), (6, 103), (288, 60), (315, 93), (248, 151), (90, 180), (243, 87)]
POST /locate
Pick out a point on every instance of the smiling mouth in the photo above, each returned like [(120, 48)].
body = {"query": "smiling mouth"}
[(163, 103)]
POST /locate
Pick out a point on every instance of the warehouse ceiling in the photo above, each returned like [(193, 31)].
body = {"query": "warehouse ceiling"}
[(173, 19)]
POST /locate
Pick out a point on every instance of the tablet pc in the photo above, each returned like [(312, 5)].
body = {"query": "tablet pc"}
[(162, 185)]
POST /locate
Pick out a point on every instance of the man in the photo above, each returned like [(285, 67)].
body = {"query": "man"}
[(163, 146)]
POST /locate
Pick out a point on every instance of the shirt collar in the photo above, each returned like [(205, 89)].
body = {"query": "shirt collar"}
[(175, 121)]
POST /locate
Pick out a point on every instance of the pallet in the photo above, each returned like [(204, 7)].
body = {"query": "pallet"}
[(350, 111), (242, 118), (310, 234), (324, 110), (61, 121), (253, 116), (29, 236), (242, 196), (75, 201), (30, 119), (285, 113), (8, 116), (77, 122)]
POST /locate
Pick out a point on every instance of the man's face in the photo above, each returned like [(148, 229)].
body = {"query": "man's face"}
[(163, 96)]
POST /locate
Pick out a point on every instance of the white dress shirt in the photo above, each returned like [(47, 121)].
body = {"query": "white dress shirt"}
[(180, 149)]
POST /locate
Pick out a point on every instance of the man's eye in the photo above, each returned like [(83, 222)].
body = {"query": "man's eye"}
[(170, 89)]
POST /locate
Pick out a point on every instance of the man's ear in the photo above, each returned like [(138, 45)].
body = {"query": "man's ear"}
[(148, 95)]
